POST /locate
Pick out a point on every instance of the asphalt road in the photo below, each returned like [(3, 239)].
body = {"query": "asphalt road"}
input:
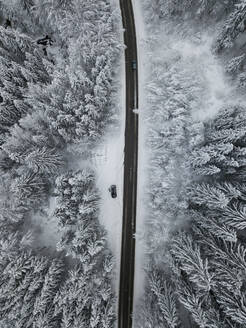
[(125, 306)]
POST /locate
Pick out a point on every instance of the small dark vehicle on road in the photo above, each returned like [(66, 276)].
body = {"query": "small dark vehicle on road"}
[(134, 65), (113, 191)]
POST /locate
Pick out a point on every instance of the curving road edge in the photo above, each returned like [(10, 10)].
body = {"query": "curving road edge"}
[(125, 306)]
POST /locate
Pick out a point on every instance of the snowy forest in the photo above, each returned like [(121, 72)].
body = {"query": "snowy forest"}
[(195, 230), (58, 81), (57, 62)]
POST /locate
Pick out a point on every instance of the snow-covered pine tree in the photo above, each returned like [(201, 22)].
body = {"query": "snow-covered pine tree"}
[(228, 260), (44, 161), (77, 214), (224, 146), (31, 134), (188, 256), (12, 211), (43, 307), (83, 238), (190, 9), (28, 189), (209, 196), (28, 286), (214, 226), (166, 300), (234, 25), (200, 308), (235, 65), (80, 301), (12, 93), (17, 279), (20, 64)]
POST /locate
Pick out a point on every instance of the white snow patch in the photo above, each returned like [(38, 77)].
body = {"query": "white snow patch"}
[(45, 226), (218, 91), (109, 164)]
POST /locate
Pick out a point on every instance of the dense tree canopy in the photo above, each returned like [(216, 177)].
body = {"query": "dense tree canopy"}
[(52, 96), (195, 227)]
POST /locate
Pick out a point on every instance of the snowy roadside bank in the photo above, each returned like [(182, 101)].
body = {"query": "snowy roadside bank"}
[(142, 154), (109, 166)]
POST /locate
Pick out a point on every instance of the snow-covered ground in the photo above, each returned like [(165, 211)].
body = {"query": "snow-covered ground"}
[(45, 226), (109, 164), (142, 154), (216, 90)]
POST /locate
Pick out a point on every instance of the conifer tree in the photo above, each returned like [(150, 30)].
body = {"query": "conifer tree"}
[(234, 25)]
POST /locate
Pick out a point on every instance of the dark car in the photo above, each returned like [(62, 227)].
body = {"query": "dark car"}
[(113, 191), (134, 65)]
